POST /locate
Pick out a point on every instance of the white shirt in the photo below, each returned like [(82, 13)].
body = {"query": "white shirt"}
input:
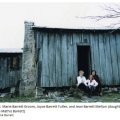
[(91, 83), (80, 79)]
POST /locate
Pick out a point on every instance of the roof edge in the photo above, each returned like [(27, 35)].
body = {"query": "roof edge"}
[(78, 29)]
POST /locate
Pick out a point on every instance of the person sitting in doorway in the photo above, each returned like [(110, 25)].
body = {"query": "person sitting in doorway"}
[(91, 85), (99, 87), (81, 81)]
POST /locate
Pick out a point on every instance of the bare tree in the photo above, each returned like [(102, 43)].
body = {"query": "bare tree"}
[(112, 12)]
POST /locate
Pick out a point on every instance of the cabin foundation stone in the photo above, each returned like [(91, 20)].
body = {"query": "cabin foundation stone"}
[(28, 82)]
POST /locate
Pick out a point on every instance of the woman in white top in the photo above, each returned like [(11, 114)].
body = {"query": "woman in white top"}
[(91, 85), (81, 81)]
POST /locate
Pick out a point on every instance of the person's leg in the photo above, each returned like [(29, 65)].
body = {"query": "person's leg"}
[(95, 90), (84, 87), (81, 86), (100, 90), (92, 90), (89, 91)]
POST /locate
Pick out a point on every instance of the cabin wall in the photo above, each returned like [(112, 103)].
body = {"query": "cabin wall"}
[(57, 56), (10, 69)]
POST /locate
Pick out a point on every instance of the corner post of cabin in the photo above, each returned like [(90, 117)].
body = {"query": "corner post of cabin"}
[(28, 81)]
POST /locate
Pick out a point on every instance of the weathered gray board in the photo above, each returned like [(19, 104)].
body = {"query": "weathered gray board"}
[(58, 55), (9, 77)]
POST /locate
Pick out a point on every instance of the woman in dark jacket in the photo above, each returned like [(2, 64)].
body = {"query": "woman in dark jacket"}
[(99, 87)]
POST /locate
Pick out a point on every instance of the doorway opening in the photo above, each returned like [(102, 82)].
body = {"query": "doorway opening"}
[(84, 59)]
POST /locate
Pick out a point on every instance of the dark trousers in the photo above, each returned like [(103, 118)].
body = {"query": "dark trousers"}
[(90, 90), (82, 87), (98, 90)]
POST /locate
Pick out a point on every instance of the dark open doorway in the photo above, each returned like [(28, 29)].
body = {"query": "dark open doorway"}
[(84, 59)]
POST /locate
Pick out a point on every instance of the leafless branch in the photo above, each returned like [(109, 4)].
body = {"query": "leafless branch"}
[(115, 9), (113, 13), (114, 25)]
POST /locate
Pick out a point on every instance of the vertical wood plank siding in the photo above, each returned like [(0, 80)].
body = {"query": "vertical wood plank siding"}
[(9, 77), (75, 68), (64, 59), (58, 56), (101, 56), (114, 58), (58, 61), (45, 61), (108, 63), (118, 54)]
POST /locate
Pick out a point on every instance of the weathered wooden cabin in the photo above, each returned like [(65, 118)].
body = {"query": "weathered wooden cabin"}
[(10, 67), (57, 54), (63, 52)]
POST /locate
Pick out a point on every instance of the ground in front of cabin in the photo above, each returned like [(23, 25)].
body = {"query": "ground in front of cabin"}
[(66, 96)]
